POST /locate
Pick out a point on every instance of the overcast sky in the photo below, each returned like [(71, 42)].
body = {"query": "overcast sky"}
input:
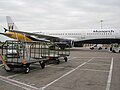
[(36, 15)]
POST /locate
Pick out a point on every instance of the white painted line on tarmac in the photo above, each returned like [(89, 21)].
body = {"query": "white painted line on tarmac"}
[(11, 76), (42, 88), (18, 84), (14, 84), (90, 57), (71, 58), (55, 66), (94, 70), (60, 67), (109, 76), (99, 64), (81, 57)]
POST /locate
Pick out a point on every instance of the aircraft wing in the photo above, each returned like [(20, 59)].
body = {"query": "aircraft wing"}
[(5, 34), (48, 37)]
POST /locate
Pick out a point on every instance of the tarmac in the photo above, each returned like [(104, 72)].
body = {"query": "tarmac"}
[(85, 70)]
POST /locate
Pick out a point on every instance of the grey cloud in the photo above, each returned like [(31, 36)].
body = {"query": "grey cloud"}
[(60, 14)]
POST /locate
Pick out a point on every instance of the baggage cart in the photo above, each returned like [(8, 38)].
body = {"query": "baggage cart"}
[(17, 54), (55, 53)]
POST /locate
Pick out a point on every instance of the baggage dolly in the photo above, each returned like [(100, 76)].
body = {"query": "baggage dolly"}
[(55, 52), (17, 54)]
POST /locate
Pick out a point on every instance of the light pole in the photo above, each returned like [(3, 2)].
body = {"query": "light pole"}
[(101, 23)]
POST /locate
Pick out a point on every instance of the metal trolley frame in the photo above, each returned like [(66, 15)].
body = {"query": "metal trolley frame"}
[(17, 54), (55, 52)]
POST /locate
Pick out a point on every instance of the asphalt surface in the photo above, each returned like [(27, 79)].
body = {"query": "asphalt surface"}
[(85, 70)]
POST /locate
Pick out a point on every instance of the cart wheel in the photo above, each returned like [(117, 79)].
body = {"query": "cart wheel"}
[(11, 69), (57, 61), (66, 59), (26, 69), (42, 64)]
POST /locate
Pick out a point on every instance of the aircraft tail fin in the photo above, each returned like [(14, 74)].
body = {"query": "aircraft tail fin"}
[(1, 27), (11, 24)]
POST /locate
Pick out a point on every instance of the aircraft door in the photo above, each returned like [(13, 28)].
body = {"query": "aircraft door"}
[(83, 36), (117, 34)]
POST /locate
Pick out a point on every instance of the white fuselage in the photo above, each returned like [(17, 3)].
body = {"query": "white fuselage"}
[(84, 34)]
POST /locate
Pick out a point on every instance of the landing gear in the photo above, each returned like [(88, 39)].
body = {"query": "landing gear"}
[(99, 48), (92, 48)]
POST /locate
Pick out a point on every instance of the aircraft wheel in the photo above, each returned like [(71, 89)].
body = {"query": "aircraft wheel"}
[(92, 48), (99, 48), (105, 47), (66, 59)]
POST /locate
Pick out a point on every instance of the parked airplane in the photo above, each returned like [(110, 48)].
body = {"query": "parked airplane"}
[(73, 37)]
